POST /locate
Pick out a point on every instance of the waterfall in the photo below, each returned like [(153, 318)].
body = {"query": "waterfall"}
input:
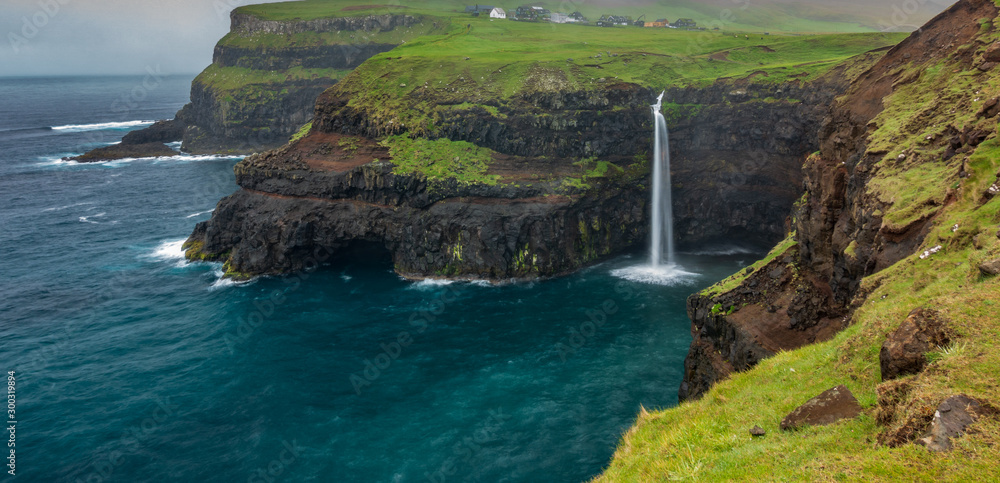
[(663, 269), (662, 223)]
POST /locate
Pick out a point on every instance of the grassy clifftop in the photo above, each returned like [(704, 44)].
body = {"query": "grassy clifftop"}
[(485, 64), (756, 16)]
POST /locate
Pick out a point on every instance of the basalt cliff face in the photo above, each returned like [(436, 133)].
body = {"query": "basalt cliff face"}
[(873, 193), (738, 149)]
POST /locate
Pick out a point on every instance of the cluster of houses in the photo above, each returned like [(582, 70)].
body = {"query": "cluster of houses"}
[(531, 13)]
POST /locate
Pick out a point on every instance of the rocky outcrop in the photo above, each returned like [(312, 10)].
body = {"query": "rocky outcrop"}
[(317, 195), (124, 151), (840, 226), (145, 143), (904, 351), (246, 24), (951, 420), (777, 307), (160, 132)]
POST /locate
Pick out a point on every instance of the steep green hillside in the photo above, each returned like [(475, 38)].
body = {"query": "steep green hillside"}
[(919, 196)]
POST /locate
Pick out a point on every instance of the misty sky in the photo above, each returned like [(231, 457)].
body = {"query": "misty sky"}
[(112, 36), (173, 36)]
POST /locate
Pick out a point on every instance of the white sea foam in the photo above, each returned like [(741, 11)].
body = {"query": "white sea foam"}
[(668, 275), (101, 126), (201, 213), (184, 158), (57, 160), (168, 251), (87, 219), (221, 282), (429, 284)]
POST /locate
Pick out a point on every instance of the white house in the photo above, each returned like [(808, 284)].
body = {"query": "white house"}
[(498, 13)]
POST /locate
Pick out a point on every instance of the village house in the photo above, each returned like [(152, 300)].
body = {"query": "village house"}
[(575, 17), (498, 13), (685, 23), (532, 13), (614, 21), (658, 23), (476, 10)]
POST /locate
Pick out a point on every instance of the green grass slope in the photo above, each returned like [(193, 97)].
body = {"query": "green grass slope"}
[(708, 440), (754, 16)]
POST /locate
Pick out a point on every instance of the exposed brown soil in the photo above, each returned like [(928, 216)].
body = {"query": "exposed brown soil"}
[(334, 152), (723, 56), (538, 200), (517, 169)]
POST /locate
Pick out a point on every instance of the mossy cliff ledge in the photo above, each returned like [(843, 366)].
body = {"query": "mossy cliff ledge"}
[(345, 199)]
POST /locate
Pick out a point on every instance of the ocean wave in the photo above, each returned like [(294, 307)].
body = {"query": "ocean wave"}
[(184, 158), (60, 208), (169, 250), (87, 219), (101, 126), (221, 282), (668, 275), (26, 129), (429, 284)]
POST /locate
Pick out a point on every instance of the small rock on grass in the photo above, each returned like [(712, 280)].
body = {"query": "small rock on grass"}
[(757, 431)]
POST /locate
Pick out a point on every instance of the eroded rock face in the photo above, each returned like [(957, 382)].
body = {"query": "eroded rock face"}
[(829, 407), (780, 306), (735, 158), (904, 351), (951, 420)]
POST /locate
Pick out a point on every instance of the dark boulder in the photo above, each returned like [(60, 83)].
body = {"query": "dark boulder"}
[(951, 420), (990, 267), (992, 53), (903, 352), (827, 408)]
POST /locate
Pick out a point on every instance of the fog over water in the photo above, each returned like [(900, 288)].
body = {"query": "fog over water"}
[(99, 37)]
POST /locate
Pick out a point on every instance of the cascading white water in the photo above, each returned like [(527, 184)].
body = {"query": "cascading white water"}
[(662, 208), (664, 269)]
